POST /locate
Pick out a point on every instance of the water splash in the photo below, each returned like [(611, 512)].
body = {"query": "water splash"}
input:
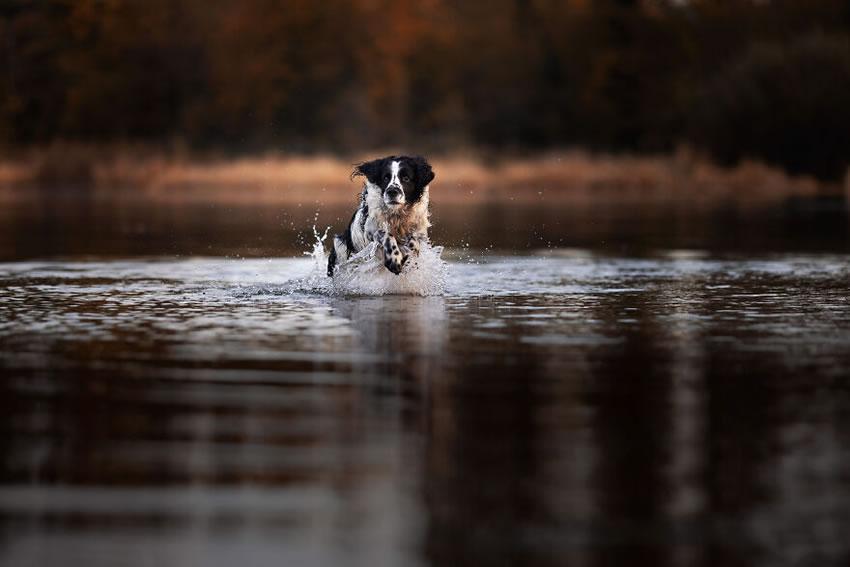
[(365, 274)]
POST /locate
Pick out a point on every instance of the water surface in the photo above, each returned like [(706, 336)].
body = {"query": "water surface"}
[(557, 407)]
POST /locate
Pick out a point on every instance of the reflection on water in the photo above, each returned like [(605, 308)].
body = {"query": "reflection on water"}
[(75, 227), (569, 409)]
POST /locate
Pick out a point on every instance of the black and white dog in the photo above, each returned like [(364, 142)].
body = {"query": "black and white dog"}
[(393, 211)]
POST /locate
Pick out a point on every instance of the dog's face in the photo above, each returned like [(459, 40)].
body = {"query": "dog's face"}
[(402, 179)]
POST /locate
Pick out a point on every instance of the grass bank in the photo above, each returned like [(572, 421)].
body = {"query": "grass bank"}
[(566, 176)]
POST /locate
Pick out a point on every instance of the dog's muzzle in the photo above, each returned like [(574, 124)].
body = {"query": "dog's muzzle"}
[(393, 195)]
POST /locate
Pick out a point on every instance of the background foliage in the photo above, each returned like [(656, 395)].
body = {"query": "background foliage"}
[(767, 79)]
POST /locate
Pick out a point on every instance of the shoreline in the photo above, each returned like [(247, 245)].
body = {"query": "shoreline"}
[(558, 177)]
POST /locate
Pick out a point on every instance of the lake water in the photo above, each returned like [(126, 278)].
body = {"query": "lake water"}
[(596, 400)]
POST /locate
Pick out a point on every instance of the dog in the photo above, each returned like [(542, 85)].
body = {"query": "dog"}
[(393, 211)]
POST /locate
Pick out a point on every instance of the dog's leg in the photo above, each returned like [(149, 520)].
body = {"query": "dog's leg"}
[(340, 251), (394, 258), (414, 243), (332, 261)]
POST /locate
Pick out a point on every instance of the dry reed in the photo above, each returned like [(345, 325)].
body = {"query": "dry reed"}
[(555, 176)]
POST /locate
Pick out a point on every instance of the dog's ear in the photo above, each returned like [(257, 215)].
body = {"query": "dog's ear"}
[(424, 173), (371, 170)]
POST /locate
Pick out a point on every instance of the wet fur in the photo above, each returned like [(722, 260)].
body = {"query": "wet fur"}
[(401, 229)]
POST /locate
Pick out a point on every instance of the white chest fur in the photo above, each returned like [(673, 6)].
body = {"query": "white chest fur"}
[(401, 222)]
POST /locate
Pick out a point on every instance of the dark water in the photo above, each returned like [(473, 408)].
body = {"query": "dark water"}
[(68, 226), (556, 406)]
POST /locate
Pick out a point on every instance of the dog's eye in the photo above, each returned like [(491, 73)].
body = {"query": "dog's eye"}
[(405, 177), (387, 177)]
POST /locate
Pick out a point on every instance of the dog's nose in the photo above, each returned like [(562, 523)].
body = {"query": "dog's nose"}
[(393, 193)]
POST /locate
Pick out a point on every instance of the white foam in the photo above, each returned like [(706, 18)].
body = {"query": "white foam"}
[(365, 273)]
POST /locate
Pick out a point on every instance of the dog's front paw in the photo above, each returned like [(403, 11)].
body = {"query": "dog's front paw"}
[(394, 258), (412, 245), (393, 265)]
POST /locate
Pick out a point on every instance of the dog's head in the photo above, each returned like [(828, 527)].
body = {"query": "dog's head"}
[(401, 179)]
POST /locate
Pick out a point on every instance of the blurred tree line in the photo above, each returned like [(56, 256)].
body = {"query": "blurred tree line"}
[(768, 79)]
